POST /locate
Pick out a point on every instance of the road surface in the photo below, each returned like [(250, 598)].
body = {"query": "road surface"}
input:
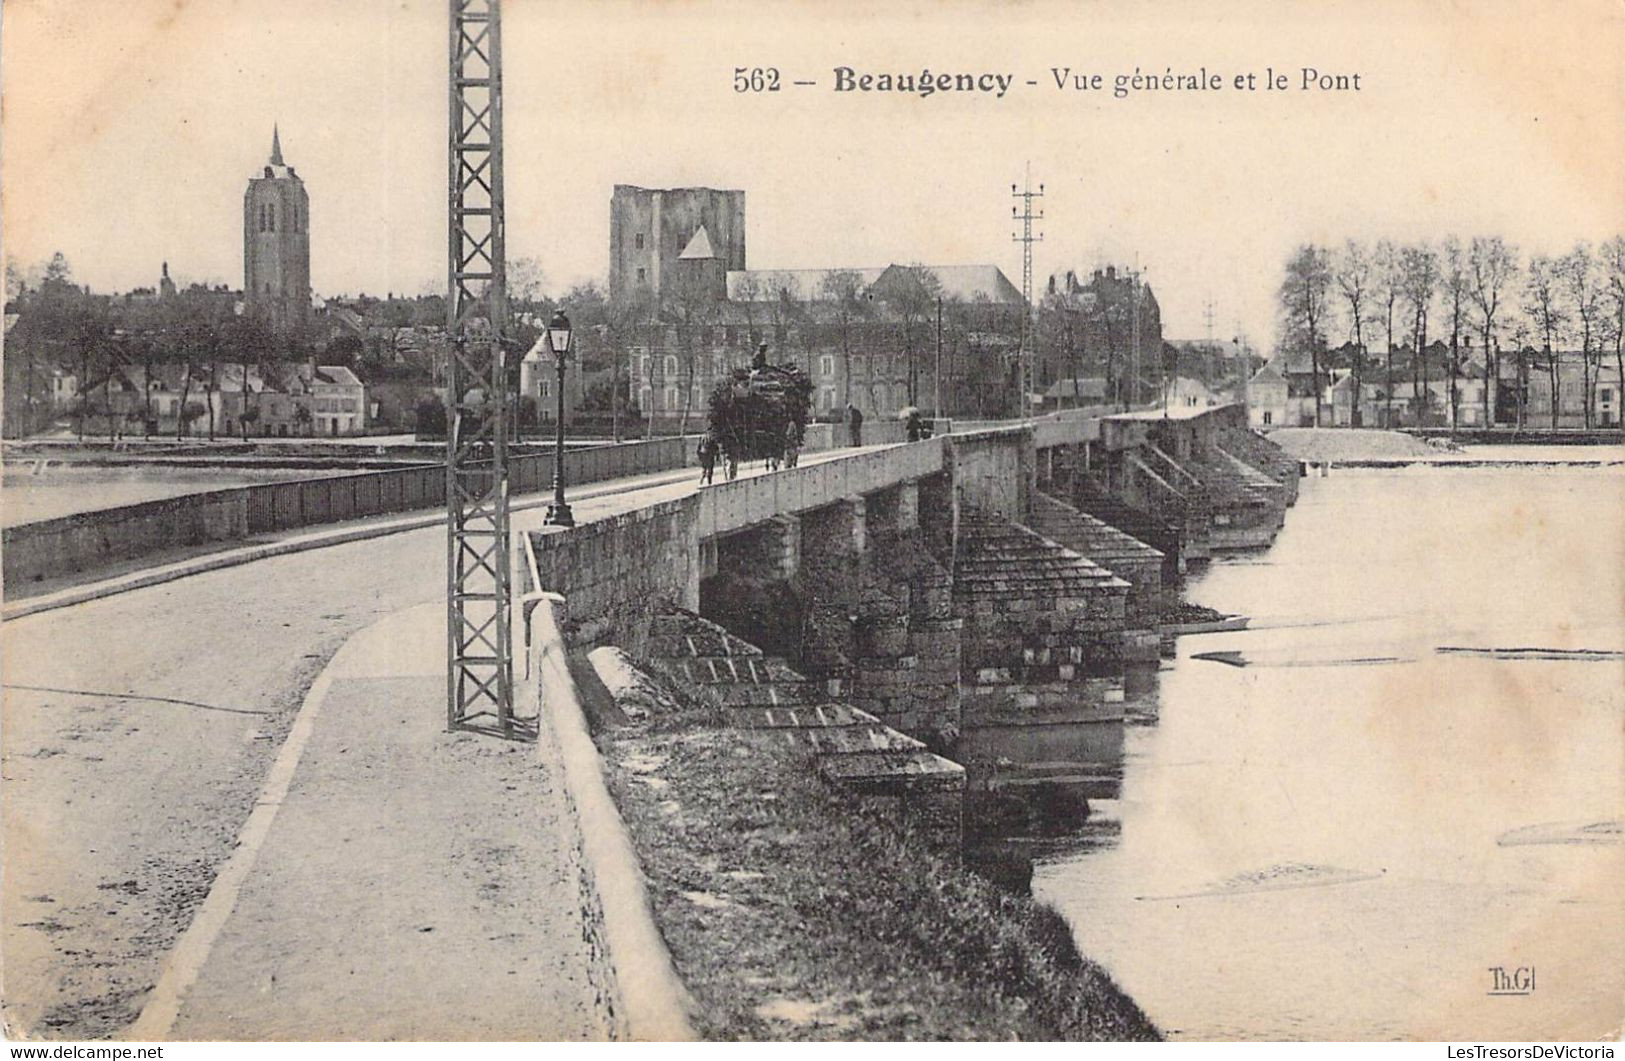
[(138, 730)]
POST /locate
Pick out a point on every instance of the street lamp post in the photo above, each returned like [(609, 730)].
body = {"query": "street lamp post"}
[(558, 342)]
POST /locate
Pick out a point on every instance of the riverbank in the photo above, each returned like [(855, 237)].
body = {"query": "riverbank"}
[(1345, 447), (792, 914), (1321, 445)]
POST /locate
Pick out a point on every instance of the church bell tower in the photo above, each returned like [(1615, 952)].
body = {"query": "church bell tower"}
[(276, 244)]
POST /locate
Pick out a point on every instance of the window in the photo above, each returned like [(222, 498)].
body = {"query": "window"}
[(826, 365), (640, 274), (1269, 417), (672, 399), (719, 364), (1606, 394), (637, 241), (643, 363), (270, 217), (543, 387), (671, 365)]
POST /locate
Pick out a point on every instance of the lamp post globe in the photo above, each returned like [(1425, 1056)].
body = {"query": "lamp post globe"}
[(558, 343)]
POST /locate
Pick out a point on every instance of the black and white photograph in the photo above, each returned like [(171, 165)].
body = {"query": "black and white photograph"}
[(555, 521)]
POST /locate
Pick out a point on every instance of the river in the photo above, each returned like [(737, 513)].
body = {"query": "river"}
[(1342, 837)]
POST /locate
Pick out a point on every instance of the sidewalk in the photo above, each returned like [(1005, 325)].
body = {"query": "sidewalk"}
[(412, 884)]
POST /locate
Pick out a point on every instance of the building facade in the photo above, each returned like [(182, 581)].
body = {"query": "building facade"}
[(276, 244), (866, 337), (1110, 323), (650, 229)]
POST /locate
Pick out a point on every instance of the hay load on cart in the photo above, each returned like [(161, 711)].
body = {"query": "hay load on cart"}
[(760, 413)]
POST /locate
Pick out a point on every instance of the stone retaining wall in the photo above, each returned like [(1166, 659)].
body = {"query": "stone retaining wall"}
[(618, 573)]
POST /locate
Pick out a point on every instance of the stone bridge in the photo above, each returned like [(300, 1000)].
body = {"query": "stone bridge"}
[(1011, 575)]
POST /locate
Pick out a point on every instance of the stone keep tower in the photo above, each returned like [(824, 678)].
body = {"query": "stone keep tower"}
[(276, 244), (652, 229)]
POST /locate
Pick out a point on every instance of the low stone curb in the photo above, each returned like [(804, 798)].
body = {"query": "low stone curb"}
[(650, 1003)]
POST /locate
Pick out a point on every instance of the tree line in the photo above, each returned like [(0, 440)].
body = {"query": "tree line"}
[(62, 326), (1399, 294)]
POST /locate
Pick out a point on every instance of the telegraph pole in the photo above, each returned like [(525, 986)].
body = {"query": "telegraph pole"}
[(1025, 215), (936, 373), (1209, 350), (1133, 394), (479, 673)]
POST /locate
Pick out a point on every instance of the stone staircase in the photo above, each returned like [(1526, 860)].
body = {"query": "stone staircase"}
[(1160, 534), (765, 697), (1124, 555), (1043, 625), (1265, 456)]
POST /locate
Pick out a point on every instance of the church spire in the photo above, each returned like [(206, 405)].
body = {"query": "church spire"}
[(276, 146)]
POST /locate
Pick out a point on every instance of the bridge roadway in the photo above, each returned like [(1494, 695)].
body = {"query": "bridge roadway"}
[(140, 727)]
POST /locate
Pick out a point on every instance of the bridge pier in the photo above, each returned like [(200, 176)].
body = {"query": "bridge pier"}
[(1042, 636), (834, 559), (906, 638)]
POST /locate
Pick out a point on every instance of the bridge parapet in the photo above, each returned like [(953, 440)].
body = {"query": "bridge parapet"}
[(727, 508)]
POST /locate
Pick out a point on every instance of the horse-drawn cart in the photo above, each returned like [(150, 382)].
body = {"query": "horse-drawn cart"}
[(760, 413)]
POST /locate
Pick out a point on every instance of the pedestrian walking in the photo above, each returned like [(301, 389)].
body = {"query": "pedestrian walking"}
[(854, 422), (708, 456)]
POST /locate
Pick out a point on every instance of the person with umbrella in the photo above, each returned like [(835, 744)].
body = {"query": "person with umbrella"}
[(912, 425)]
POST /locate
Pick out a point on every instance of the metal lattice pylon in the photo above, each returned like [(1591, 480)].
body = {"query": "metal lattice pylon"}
[(1026, 238), (479, 678)]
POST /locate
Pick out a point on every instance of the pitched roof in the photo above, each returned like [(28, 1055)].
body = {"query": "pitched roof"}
[(276, 168), (1270, 373), (338, 374), (966, 283), (698, 247), (798, 285)]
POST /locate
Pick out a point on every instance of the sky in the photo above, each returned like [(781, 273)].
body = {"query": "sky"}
[(130, 129)]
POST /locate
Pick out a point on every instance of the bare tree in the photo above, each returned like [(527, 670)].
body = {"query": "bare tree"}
[(1385, 264), (844, 288), (525, 281), (1612, 254), (1576, 273), (1542, 298), (16, 281), (1492, 264), (1354, 271), (915, 299), (1419, 268), (1457, 284), (1303, 307), (691, 312), (747, 292)]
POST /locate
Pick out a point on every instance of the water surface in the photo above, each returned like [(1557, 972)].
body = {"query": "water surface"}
[(1340, 838)]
